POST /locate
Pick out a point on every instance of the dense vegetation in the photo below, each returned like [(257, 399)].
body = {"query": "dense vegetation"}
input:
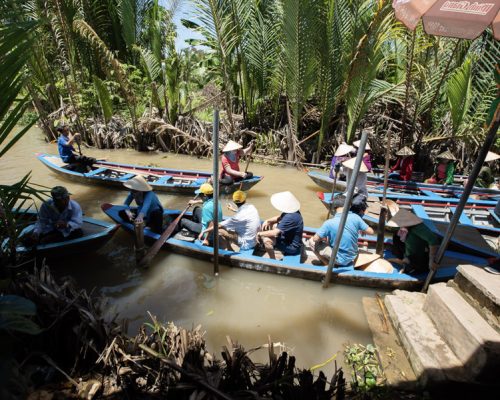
[(333, 66)]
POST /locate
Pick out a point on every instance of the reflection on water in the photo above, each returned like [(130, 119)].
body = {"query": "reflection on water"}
[(312, 322)]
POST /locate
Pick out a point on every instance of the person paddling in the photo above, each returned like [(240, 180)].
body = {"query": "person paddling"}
[(343, 153), (444, 169), (149, 211), (230, 171), (66, 150), (404, 165)]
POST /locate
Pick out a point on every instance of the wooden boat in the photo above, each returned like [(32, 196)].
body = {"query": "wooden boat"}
[(161, 179), (95, 234), (476, 238), (294, 267), (416, 188)]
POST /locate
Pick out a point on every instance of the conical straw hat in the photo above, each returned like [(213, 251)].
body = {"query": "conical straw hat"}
[(357, 142), (285, 202), (491, 156), (380, 266), (350, 164), (404, 219), (138, 183), (365, 258), (405, 151), (392, 206), (447, 155), (231, 145), (343, 149)]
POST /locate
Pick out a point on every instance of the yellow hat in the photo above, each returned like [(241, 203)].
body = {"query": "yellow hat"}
[(205, 188), (239, 196)]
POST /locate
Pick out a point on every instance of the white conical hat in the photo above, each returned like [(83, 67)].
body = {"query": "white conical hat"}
[(285, 202), (231, 145), (404, 219), (447, 155), (343, 149), (392, 206), (380, 266), (405, 151), (357, 142), (350, 164), (491, 156), (138, 183), (365, 258)]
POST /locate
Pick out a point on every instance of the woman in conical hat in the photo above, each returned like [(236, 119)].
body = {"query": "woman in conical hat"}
[(367, 159), (284, 231), (230, 171), (149, 208), (486, 175), (444, 169), (342, 154), (404, 165), (361, 179), (414, 242)]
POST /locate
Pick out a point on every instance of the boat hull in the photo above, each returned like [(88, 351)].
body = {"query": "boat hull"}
[(161, 179), (293, 267)]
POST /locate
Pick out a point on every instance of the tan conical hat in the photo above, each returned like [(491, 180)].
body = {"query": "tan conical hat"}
[(350, 164), (343, 149), (285, 202), (404, 219), (380, 266), (405, 151), (138, 183), (491, 156), (392, 206), (446, 155), (357, 142), (231, 145), (365, 258)]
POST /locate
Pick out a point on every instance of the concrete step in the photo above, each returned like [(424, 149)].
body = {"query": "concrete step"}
[(481, 289), (430, 357), (465, 331)]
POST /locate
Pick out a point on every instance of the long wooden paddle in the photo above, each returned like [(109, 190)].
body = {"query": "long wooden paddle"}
[(155, 248), (336, 168), (249, 157)]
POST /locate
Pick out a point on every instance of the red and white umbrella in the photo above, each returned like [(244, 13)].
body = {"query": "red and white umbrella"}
[(458, 19)]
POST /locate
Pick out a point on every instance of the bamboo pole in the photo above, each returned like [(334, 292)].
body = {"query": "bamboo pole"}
[(383, 211), (215, 140), (347, 206), (140, 249)]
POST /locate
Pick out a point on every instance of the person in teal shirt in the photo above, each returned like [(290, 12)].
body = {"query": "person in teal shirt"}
[(202, 216)]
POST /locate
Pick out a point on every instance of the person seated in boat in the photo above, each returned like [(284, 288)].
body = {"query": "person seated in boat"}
[(444, 169), (240, 231), (283, 232), (230, 171), (343, 153), (67, 152), (324, 238), (361, 179), (414, 244), (202, 216), (404, 165), (149, 209), (367, 157), (486, 177), (59, 219)]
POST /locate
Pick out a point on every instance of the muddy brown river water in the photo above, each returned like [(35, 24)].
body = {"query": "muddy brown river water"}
[(312, 322)]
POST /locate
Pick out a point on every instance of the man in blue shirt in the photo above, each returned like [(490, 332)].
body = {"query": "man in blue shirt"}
[(284, 231), (202, 216), (59, 218), (66, 150), (149, 208), (324, 238)]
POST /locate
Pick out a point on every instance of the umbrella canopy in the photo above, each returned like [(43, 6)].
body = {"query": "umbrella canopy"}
[(458, 19)]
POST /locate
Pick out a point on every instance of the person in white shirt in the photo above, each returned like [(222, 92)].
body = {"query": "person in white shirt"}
[(239, 231)]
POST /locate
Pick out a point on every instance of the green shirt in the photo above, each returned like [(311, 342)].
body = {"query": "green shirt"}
[(419, 238), (485, 177), (450, 171)]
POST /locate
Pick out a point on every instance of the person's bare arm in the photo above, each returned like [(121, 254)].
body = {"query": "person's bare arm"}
[(368, 231), (269, 233), (268, 223)]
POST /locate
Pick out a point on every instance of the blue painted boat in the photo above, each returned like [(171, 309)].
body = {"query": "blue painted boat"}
[(96, 233), (374, 183), (161, 179), (294, 266)]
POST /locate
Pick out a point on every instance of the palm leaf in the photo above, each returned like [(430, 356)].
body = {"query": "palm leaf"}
[(104, 98)]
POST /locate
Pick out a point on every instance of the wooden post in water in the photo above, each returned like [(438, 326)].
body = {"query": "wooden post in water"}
[(343, 218), (140, 249), (383, 211), (215, 140)]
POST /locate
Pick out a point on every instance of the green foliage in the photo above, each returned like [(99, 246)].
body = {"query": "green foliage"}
[(104, 98), (366, 372), (14, 315)]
